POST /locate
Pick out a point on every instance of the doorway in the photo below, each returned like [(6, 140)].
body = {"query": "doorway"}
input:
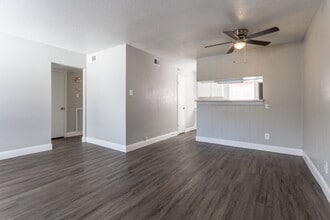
[(181, 104), (67, 101)]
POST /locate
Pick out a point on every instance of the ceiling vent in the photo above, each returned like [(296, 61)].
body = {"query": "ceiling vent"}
[(156, 61)]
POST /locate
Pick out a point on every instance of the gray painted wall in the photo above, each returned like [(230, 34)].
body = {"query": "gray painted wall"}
[(115, 116), (152, 110), (74, 102), (25, 90), (317, 90), (106, 95), (281, 67)]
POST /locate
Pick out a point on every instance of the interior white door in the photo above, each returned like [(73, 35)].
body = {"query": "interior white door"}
[(58, 103), (181, 104)]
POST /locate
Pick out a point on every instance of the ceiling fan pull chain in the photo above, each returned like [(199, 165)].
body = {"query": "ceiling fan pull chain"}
[(245, 55)]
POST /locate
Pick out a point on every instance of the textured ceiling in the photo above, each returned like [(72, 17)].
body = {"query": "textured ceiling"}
[(168, 28)]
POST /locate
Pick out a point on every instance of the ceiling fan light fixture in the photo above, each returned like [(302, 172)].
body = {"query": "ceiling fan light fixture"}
[(240, 38), (239, 45)]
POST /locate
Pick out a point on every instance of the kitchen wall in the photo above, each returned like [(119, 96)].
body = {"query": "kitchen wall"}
[(106, 95), (25, 90), (281, 68), (317, 91), (152, 109)]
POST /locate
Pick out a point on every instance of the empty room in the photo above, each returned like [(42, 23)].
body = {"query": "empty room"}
[(164, 109)]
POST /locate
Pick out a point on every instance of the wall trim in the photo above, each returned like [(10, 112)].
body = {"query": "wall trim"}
[(83, 139), (262, 147), (150, 141), (190, 129), (317, 175), (73, 133), (25, 151), (105, 144)]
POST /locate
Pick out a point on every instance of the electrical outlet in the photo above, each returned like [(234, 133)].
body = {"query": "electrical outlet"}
[(326, 171), (130, 92), (266, 106), (267, 136)]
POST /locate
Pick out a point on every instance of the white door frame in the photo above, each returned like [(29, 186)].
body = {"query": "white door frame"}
[(84, 127), (84, 123), (181, 112)]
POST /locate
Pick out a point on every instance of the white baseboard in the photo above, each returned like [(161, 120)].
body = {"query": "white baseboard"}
[(150, 141), (190, 129), (317, 175), (105, 144), (269, 148), (25, 151), (72, 134), (130, 147)]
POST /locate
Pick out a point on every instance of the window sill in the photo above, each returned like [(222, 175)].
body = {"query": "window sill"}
[(229, 102)]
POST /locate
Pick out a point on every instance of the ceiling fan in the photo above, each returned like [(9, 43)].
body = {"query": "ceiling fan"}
[(241, 38)]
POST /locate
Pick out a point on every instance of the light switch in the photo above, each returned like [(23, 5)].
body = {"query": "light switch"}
[(130, 92)]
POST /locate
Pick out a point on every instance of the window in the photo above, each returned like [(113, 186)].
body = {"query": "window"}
[(249, 88), (210, 89), (242, 91)]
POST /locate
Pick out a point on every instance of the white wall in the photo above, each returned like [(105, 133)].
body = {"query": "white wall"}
[(106, 95), (25, 90), (317, 90), (152, 110), (281, 67)]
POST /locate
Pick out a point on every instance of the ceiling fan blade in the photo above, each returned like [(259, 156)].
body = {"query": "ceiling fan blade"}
[(232, 35), (214, 45), (264, 32), (231, 50), (258, 42)]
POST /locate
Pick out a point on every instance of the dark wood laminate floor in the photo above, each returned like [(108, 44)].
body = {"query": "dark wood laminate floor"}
[(174, 179)]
